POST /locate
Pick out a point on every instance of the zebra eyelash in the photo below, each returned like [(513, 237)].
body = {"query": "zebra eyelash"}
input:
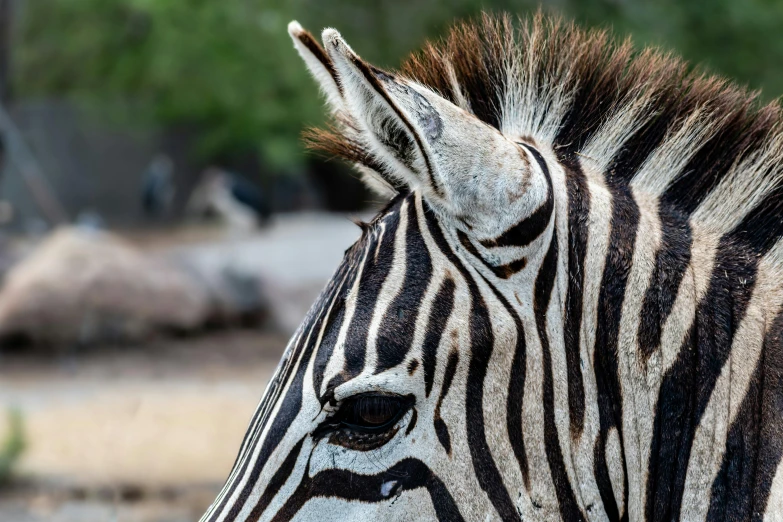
[(351, 411), (341, 427)]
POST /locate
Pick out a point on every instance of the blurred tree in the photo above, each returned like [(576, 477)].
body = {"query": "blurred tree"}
[(5, 49), (217, 66), (742, 40), (228, 69)]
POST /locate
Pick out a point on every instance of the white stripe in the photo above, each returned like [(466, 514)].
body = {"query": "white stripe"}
[(605, 144), (742, 189), (774, 511), (638, 412), (391, 286), (668, 160)]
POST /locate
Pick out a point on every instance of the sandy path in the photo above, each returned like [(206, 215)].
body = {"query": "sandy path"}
[(161, 421)]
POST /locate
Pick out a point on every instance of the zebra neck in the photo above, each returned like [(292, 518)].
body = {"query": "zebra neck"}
[(664, 328)]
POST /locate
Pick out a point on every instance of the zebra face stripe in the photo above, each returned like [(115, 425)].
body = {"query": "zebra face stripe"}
[(442, 307), (395, 337), (523, 233)]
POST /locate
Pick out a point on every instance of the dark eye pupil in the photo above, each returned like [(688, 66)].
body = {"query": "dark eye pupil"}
[(374, 411)]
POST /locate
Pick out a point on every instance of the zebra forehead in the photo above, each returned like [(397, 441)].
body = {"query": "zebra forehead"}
[(368, 325)]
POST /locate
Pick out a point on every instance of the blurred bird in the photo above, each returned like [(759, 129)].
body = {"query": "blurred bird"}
[(235, 200), (157, 191)]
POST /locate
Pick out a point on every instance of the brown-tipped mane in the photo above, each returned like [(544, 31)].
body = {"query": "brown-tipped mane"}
[(564, 86)]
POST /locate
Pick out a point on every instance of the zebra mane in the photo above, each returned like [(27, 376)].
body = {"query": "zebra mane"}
[(644, 119)]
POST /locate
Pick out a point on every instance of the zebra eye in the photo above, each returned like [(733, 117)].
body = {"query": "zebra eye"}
[(365, 422), (372, 412)]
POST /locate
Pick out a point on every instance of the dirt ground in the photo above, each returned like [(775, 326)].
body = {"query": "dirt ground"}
[(131, 434)]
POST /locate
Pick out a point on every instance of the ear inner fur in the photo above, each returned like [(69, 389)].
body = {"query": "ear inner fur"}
[(370, 75)]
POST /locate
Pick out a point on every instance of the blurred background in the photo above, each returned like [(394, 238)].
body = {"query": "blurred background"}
[(163, 232)]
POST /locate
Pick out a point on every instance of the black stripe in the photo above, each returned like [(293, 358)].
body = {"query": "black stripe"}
[(336, 314), (502, 271), (516, 390), (441, 430), (770, 441), (763, 226), (753, 446), (325, 350), (395, 335), (408, 474), (524, 232), (671, 263), (732, 143), (545, 281), (670, 431), (516, 394), (276, 482), (374, 274), (509, 269), (619, 259), (442, 306), (412, 423), (482, 343), (730, 495), (689, 383), (578, 216)]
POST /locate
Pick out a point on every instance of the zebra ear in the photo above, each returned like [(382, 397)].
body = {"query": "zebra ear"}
[(466, 169), (374, 99), (318, 63), (322, 69)]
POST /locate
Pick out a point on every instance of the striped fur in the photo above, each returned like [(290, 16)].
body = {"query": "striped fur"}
[(577, 289)]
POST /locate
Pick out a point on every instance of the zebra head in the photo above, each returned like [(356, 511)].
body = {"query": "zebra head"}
[(571, 307), (396, 386)]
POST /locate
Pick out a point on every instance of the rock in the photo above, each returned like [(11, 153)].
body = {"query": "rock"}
[(235, 293), (86, 286), (280, 270)]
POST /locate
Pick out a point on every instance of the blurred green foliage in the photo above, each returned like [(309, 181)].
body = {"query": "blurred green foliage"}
[(228, 69), (13, 445)]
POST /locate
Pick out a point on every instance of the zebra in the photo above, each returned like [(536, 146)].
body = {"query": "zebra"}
[(570, 308)]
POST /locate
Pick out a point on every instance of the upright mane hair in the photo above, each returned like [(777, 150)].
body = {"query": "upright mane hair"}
[(639, 119)]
